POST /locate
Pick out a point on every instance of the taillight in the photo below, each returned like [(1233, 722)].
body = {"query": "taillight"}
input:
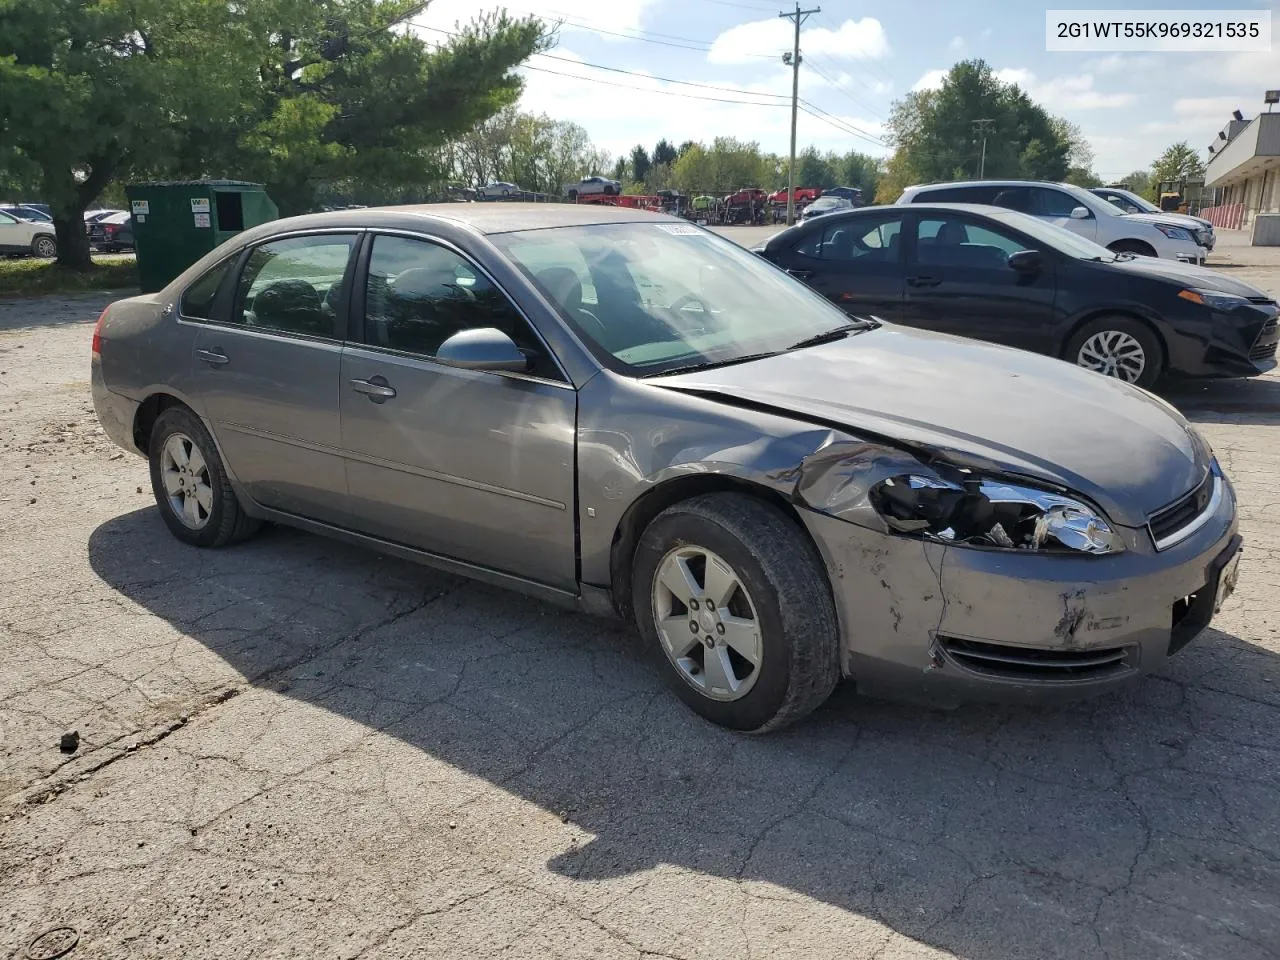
[(97, 334)]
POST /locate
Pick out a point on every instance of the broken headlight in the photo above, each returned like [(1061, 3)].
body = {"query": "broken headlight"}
[(991, 513)]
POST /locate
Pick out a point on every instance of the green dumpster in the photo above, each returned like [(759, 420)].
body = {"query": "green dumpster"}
[(175, 223)]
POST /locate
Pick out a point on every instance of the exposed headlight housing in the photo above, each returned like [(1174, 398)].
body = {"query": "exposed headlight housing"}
[(1213, 298), (1173, 233), (992, 513)]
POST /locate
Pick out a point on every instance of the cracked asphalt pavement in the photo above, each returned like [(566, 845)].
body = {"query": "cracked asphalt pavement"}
[(295, 748)]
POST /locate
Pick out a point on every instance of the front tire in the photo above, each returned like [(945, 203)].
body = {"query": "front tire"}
[(190, 484), (737, 602), (1136, 247), (45, 247), (1118, 347)]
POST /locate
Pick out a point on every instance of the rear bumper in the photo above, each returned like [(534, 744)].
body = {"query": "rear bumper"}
[(116, 413), (945, 625)]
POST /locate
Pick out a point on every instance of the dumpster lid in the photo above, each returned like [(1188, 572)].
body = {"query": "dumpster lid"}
[(197, 183)]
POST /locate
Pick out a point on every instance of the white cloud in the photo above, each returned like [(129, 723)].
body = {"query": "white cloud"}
[(617, 118), (930, 81), (956, 44), (853, 40), (622, 15), (1067, 92)]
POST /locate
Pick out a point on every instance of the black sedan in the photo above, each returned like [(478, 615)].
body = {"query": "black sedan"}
[(1002, 276), (112, 233)]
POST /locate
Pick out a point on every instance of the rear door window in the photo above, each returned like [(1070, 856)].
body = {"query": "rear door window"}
[(856, 241), (1048, 202), (296, 285)]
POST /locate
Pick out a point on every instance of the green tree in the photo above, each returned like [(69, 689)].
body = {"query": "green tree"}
[(813, 169), (664, 152), (640, 163), (859, 170), (1139, 182), (1082, 177), (295, 93), (1178, 162), (621, 170), (940, 137), (96, 90)]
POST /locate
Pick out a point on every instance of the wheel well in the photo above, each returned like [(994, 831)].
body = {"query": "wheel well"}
[(1132, 246), (641, 513), (1097, 314), (148, 412)]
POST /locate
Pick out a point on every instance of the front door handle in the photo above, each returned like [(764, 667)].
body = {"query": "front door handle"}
[(923, 281), (800, 274), (375, 388), (214, 357)]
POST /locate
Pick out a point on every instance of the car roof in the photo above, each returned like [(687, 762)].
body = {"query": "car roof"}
[(986, 183), (486, 218)]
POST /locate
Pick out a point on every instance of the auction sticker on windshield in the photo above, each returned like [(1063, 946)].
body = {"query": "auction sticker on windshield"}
[(680, 229)]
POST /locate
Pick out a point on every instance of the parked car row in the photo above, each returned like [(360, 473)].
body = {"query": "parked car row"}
[(1009, 278), (622, 411), (31, 237), (1080, 211)]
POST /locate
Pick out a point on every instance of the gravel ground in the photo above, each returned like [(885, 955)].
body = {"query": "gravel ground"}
[(295, 748)]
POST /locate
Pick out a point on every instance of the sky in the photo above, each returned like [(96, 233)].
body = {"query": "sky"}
[(857, 58)]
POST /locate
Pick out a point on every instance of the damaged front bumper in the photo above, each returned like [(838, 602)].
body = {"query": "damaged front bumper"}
[(944, 623)]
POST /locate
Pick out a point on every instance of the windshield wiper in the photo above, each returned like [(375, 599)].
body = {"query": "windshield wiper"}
[(712, 364), (831, 336)]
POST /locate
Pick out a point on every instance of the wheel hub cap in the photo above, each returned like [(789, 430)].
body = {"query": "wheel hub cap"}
[(707, 623), (1113, 353), (185, 477)]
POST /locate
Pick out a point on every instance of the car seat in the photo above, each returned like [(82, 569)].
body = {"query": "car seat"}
[(292, 305)]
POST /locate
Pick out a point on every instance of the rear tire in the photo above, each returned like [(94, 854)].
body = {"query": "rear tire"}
[(44, 246), (778, 608), (212, 515), (1136, 247), (1119, 347)]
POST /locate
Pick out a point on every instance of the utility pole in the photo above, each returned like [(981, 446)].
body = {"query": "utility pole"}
[(980, 127), (799, 16)]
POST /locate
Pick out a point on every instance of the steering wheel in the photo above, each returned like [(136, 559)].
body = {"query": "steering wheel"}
[(601, 333), (676, 310)]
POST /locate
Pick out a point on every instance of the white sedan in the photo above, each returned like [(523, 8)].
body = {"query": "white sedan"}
[(591, 186), (26, 236), (498, 189)]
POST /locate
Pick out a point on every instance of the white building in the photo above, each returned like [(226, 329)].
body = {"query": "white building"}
[(1243, 170)]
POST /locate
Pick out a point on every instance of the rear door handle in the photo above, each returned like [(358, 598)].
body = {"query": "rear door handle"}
[(800, 274), (923, 281), (214, 357), (375, 388)]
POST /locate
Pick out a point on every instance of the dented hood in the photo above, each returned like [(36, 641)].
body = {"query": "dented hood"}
[(990, 407)]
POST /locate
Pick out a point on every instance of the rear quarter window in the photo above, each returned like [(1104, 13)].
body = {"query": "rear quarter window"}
[(198, 299)]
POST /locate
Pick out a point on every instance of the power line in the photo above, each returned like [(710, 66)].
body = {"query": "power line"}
[(837, 123), (667, 93), (847, 95)]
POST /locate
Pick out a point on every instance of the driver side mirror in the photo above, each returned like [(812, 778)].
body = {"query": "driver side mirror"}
[(1025, 261), (1081, 213), (485, 348)]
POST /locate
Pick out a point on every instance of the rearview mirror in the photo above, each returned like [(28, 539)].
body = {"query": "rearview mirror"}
[(1025, 261), (486, 348), (1080, 213)]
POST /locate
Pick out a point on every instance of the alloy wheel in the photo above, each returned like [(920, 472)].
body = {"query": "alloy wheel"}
[(1115, 354), (707, 623), (46, 247), (186, 481)]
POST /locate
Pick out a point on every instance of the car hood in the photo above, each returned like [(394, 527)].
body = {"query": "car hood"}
[(1175, 219), (1189, 275), (992, 408)]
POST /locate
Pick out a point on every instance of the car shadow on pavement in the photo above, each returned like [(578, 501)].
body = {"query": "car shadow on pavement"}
[(1245, 401), (1141, 824)]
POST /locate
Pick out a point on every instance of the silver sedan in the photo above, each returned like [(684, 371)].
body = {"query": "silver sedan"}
[(627, 413)]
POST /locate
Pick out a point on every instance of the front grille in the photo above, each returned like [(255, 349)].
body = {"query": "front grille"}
[(1169, 520), (1263, 351), (1026, 663)]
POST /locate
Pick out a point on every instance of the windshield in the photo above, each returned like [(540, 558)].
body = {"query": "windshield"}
[(652, 297), (1143, 204), (826, 203), (1060, 238)]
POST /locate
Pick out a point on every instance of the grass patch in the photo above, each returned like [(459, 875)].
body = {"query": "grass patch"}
[(30, 277)]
